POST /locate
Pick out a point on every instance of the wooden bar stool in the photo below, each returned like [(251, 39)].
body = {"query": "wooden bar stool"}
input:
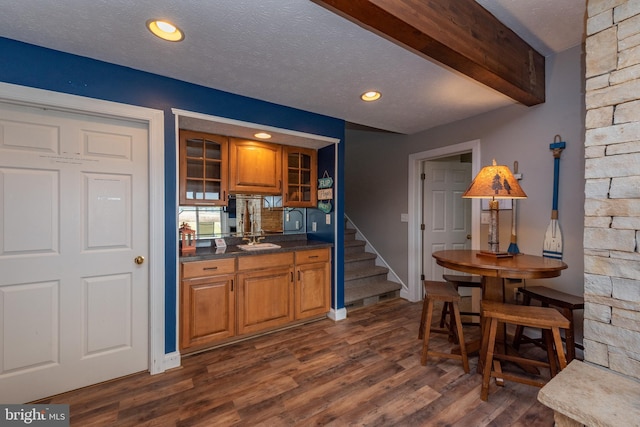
[(445, 292), (459, 281), (549, 297), (548, 319)]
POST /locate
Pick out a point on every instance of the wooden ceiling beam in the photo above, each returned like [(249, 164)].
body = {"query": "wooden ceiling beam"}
[(460, 34)]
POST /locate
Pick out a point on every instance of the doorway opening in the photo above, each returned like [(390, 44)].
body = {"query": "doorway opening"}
[(415, 249)]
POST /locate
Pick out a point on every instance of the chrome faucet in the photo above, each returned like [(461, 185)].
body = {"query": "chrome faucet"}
[(254, 239)]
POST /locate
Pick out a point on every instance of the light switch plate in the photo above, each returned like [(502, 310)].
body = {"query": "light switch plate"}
[(485, 217), (314, 226), (404, 217), (327, 219)]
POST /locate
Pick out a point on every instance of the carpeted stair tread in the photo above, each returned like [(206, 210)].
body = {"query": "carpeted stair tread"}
[(354, 243), (370, 293), (349, 233), (365, 283), (363, 273), (359, 256)]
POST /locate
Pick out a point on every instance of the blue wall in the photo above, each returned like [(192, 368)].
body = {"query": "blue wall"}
[(324, 231), (34, 66)]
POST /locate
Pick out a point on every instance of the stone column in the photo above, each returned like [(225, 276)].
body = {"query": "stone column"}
[(612, 187)]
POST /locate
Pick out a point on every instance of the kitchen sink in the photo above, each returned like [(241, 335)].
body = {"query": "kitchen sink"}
[(259, 246)]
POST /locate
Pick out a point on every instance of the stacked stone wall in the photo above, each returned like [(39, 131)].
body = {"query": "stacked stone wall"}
[(612, 186)]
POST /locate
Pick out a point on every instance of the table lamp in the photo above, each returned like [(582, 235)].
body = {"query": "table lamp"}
[(494, 182)]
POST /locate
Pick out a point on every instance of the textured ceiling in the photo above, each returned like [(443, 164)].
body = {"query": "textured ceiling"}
[(290, 52)]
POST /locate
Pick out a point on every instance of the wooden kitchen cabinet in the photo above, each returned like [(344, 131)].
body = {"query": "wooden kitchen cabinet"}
[(313, 283), (300, 177), (207, 302), (203, 168), (265, 291), (225, 299), (255, 167)]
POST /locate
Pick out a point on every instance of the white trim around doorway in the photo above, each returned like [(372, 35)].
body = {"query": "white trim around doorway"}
[(414, 291), (24, 95)]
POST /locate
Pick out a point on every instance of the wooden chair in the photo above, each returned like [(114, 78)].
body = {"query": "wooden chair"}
[(549, 297), (459, 281), (548, 319), (447, 294)]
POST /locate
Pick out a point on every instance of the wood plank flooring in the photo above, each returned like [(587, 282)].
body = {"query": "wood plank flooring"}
[(363, 371)]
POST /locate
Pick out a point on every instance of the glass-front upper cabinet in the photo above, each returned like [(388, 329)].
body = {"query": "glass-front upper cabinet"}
[(300, 177), (203, 168)]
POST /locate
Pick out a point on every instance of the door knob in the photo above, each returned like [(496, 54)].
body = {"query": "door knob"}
[(468, 236), (139, 259)]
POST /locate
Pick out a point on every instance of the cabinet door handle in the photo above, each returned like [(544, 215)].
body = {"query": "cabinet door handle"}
[(231, 285), (313, 256), (298, 275), (210, 268), (292, 277)]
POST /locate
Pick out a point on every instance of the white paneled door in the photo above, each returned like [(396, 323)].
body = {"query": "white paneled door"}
[(73, 219), (446, 215)]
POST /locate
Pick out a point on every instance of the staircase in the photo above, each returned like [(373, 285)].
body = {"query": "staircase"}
[(365, 283)]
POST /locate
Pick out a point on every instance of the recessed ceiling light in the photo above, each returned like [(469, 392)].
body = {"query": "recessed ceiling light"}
[(165, 30), (371, 95), (262, 135)]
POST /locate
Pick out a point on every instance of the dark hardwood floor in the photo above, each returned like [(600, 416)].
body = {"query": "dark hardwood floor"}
[(363, 371)]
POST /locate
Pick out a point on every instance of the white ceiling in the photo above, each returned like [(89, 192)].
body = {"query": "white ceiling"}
[(290, 52)]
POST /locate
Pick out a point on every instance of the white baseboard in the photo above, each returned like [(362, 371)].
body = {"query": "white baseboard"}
[(339, 314), (172, 360)]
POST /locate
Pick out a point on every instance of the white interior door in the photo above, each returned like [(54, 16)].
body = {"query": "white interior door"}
[(447, 216), (73, 216)]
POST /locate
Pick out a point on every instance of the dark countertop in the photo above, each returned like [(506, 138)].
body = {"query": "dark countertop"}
[(287, 244)]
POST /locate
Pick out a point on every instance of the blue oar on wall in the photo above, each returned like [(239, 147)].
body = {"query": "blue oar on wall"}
[(513, 246), (553, 236)]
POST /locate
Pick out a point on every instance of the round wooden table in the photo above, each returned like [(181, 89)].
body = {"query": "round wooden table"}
[(494, 271)]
